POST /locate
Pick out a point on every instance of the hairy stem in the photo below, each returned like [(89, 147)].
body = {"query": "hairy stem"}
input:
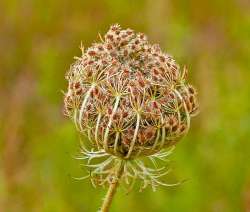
[(112, 188)]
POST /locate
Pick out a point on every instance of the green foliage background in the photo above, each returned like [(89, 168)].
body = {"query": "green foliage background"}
[(38, 39)]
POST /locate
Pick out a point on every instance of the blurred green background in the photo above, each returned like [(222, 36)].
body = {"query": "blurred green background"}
[(38, 39)]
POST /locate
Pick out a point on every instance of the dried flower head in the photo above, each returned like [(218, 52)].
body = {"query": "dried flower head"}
[(130, 98)]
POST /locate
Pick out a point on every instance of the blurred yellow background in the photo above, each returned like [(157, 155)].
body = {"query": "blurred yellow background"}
[(38, 39)]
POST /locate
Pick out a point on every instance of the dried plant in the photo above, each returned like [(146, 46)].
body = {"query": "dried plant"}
[(132, 101)]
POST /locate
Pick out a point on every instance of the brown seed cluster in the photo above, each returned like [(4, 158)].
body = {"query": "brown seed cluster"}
[(128, 96)]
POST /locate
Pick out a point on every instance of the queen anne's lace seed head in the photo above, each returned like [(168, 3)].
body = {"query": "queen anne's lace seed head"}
[(128, 96)]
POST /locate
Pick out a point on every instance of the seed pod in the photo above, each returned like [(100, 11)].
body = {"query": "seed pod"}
[(129, 96)]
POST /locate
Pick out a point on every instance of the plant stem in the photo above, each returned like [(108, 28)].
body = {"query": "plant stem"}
[(112, 188)]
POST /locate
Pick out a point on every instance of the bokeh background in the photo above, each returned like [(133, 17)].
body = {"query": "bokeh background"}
[(38, 39)]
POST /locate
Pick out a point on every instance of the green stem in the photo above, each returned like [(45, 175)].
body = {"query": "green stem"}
[(112, 188)]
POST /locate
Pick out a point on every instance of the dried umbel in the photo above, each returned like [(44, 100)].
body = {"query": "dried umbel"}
[(129, 97)]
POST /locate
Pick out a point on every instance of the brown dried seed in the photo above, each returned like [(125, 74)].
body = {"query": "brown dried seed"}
[(124, 35), (123, 43), (125, 52), (141, 137), (68, 98), (171, 121), (109, 111), (155, 105), (182, 129), (114, 28), (157, 64), (191, 98), (162, 59), (125, 141), (150, 131), (125, 114), (116, 116), (78, 92), (104, 62), (188, 105), (92, 53), (155, 78), (137, 42), (89, 73), (156, 72), (162, 69), (191, 90), (129, 32), (172, 96), (109, 46), (100, 48), (110, 37), (130, 131), (141, 82), (88, 107), (142, 36), (174, 128), (96, 91), (113, 54), (77, 85)]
